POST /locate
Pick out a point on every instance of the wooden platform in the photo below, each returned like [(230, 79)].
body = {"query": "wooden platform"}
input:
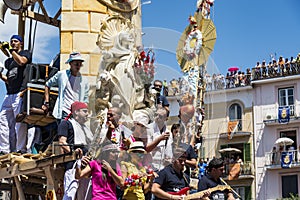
[(42, 173)]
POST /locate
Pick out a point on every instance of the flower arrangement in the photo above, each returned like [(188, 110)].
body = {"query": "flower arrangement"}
[(145, 66), (135, 180)]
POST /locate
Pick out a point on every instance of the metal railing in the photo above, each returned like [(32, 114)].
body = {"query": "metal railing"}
[(242, 126), (245, 169), (272, 111), (274, 158), (265, 72)]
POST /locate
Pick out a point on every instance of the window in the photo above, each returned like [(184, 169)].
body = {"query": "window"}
[(289, 185), (235, 113), (286, 98)]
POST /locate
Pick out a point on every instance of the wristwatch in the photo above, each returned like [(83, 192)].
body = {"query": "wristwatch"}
[(46, 103)]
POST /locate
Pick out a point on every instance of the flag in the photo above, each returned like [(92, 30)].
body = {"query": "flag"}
[(234, 171), (284, 114), (232, 126), (286, 159)]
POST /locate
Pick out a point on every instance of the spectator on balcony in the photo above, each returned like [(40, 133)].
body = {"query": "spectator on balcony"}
[(281, 65), (298, 59), (208, 82), (240, 161), (293, 65), (287, 67), (274, 152), (292, 149), (270, 69), (275, 68), (248, 76), (228, 77), (264, 68), (257, 70)]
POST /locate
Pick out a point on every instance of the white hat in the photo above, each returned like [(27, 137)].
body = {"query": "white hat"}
[(74, 56), (137, 146), (141, 119)]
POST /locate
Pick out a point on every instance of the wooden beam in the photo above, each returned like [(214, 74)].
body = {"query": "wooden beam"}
[(44, 11), (42, 18), (50, 183), (19, 188)]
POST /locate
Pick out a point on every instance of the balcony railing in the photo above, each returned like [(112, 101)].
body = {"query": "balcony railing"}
[(270, 113), (288, 69), (274, 158), (243, 126), (245, 169)]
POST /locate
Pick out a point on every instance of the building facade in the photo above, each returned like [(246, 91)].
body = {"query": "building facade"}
[(277, 163), (231, 109)]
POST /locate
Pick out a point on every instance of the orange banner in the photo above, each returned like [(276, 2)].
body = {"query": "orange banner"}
[(234, 171), (232, 126)]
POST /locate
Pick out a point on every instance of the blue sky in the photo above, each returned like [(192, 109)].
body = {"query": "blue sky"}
[(247, 32)]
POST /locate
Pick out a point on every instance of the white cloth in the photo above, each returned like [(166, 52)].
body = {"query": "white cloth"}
[(160, 152), (13, 136), (82, 134), (74, 187)]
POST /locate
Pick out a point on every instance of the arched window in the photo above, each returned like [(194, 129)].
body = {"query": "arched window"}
[(235, 113)]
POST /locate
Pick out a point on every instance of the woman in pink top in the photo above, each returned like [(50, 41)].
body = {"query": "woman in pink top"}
[(106, 174)]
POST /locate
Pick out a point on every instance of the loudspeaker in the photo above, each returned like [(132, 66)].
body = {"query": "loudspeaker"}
[(35, 100), (14, 4), (3, 9), (38, 73)]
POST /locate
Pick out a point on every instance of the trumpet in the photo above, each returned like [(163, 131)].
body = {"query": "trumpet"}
[(4, 46)]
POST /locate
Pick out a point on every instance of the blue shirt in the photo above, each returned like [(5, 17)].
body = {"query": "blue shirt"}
[(60, 80)]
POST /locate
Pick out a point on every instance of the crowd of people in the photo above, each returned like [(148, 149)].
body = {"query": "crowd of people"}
[(236, 78), (141, 159)]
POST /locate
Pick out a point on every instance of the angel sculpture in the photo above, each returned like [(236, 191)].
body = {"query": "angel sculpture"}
[(119, 56)]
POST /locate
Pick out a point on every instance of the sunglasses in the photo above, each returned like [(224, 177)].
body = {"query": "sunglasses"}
[(78, 64)]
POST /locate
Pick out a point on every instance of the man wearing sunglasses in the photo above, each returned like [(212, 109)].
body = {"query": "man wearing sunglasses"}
[(72, 86)]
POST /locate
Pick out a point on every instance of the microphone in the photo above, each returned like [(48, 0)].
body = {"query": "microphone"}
[(166, 142)]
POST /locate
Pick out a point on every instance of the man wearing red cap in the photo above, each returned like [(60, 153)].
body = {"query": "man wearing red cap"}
[(72, 132), (13, 135), (72, 86)]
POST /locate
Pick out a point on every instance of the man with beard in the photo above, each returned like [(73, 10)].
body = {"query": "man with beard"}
[(72, 132)]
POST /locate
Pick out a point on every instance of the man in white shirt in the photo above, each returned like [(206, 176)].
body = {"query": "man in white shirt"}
[(159, 140)]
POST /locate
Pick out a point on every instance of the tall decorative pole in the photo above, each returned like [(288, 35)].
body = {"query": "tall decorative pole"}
[(193, 50)]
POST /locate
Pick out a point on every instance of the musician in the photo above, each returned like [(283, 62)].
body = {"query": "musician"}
[(171, 181), (191, 161), (212, 179), (71, 132)]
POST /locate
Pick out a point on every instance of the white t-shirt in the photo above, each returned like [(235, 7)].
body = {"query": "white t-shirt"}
[(72, 92)]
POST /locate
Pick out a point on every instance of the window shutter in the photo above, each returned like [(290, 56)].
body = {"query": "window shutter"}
[(247, 152)]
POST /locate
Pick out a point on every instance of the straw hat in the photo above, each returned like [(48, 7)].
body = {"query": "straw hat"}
[(137, 146)]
